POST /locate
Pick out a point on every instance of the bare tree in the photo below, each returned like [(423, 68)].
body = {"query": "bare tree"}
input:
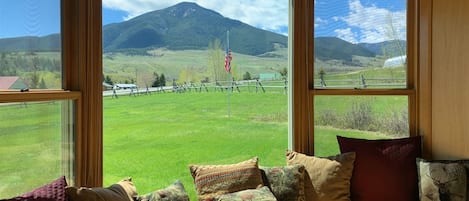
[(216, 60)]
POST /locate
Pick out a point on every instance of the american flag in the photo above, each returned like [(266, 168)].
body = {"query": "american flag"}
[(228, 61)]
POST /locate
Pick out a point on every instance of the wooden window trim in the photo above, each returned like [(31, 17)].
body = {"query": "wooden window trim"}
[(82, 56), (303, 72)]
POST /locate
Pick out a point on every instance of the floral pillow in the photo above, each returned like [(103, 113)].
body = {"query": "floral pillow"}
[(285, 182), (261, 194), (174, 192), (440, 181)]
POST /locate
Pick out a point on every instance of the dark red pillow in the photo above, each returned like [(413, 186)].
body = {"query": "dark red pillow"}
[(54, 191), (384, 170)]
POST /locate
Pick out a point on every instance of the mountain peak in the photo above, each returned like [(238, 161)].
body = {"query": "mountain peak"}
[(187, 9), (188, 26)]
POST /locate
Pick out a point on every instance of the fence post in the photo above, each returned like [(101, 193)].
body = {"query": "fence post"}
[(285, 83), (363, 81), (322, 82)]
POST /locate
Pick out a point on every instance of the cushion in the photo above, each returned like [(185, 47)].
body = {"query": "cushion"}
[(123, 190), (212, 180), (442, 180), (53, 191), (285, 182), (384, 169), (261, 194), (327, 179), (174, 192)]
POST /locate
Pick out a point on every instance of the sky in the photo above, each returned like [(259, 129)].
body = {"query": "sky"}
[(355, 21)]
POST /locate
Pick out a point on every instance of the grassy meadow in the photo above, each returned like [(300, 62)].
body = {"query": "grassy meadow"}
[(154, 138)]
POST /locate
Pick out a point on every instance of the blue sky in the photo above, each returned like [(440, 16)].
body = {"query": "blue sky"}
[(352, 20)]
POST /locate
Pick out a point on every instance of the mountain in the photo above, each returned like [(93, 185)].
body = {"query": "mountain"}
[(329, 48), (391, 48), (188, 26), (31, 43)]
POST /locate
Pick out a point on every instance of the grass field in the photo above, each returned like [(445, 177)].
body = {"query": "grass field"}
[(154, 138)]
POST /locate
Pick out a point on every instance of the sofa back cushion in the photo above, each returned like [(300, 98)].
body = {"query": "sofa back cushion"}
[(385, 169), (326, 178)]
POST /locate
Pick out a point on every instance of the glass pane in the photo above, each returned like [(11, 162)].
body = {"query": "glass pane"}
[(30, 45), (368, 117), (36, 145), (172, 100), (360, 44)]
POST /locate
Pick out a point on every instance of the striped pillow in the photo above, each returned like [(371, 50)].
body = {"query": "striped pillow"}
[(213, 180)]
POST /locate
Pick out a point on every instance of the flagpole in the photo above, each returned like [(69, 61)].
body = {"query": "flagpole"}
[(229, 74)]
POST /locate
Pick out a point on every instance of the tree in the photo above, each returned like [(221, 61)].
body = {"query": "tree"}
[(34, 80), (283, 72), (216, 60), (108, 80), (247, 76), (156, 82), (162, 80), (42, 84)]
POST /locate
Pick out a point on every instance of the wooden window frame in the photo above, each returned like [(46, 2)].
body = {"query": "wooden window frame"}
[(82, 77), (303, 91), (82, 83)]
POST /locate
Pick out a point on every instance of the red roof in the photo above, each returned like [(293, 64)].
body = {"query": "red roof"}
[(7, 82)]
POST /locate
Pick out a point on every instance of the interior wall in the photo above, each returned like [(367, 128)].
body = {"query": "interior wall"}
[(450, 79)]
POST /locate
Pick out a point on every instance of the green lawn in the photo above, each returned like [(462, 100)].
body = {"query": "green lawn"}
[(154, 138)]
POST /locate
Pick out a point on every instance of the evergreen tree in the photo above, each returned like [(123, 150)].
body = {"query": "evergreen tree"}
[(108, 80), (156, 82), (42, 84), (162, 80), (247, 76)]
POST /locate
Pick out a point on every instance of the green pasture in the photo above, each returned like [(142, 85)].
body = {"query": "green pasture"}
[(30, 146), (154, 138)]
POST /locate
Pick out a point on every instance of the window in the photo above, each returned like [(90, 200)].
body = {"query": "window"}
[(45, 83), (359, 63), (172, 101)]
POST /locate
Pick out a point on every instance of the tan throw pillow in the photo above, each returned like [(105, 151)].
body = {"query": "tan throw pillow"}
[(213, 180), (124, 190), (327, 179)]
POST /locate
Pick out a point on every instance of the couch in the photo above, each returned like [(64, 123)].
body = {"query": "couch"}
[(365, 170)]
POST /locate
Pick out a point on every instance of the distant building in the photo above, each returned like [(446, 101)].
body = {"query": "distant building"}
[(270, 76), (126, 86), (395, 62), (12, 82)]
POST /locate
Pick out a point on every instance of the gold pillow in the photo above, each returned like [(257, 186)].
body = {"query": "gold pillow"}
[(327, 179), (213, 180)]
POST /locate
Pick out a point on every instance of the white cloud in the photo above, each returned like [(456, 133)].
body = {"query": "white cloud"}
[(264, 14), (346, 34), (373, 23)]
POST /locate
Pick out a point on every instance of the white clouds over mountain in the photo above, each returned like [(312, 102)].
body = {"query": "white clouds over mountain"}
[(266, 14), (372, 24)]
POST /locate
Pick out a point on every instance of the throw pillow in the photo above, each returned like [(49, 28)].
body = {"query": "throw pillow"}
[(261, 194), (327, 179), (212, 180), (286, 183), (123, 190), (384, 170), (174, 192), (53, 191), (439, 181)]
